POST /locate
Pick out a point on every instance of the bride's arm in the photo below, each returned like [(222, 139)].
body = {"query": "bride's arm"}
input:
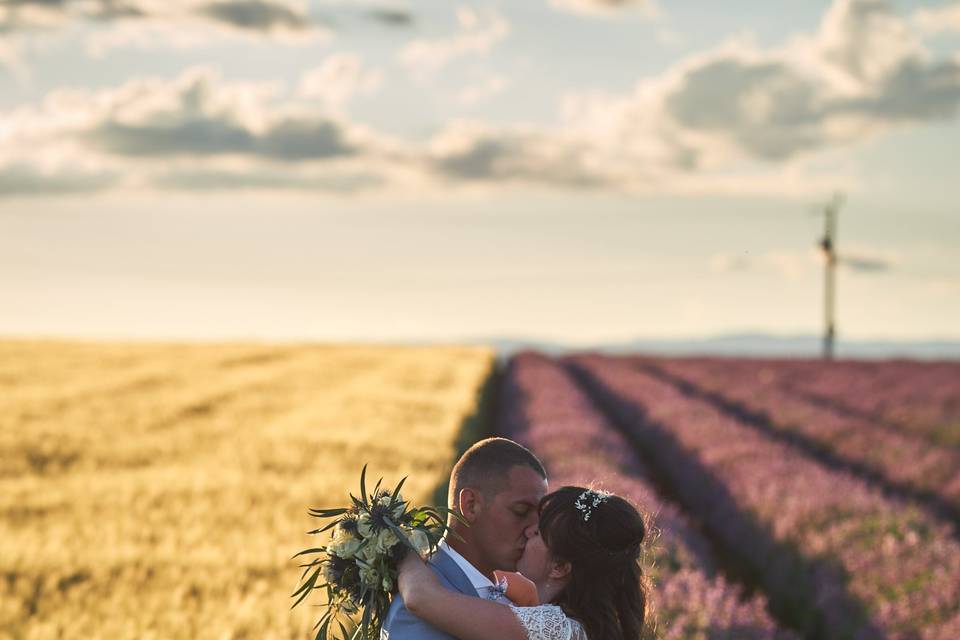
[(464, 617)]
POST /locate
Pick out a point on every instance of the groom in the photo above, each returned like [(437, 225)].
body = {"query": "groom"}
[(496, 487)]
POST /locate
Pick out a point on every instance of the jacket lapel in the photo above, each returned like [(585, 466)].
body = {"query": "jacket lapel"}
[(446, 566)]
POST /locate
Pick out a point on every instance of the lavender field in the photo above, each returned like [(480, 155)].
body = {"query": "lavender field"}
[(785, 498)]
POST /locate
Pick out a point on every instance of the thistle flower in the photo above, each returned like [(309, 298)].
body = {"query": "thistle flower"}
[(360, 563)]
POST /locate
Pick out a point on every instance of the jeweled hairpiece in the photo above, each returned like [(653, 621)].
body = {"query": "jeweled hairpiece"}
[(589, 499)]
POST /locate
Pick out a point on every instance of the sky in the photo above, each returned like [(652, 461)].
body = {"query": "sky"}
[(574, 170)]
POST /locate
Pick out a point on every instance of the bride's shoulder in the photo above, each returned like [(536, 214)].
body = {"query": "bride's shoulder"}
[(548, 622)]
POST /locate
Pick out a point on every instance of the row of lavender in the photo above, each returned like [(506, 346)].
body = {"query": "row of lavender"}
[(834, 555), (542, 407), (922, 398), (874, 451)]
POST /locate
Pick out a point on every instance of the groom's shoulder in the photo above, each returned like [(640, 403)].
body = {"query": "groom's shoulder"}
[(400, 624)]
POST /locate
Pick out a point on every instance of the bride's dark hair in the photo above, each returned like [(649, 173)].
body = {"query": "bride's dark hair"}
[(607, 591)]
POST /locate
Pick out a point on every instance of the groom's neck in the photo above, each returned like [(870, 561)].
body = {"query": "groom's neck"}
[(470, 554)]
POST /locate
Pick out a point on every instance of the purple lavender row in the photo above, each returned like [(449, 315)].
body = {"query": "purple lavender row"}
[(918, 397), (835, 556), (921, 398), (876, 452), (542, 407), (911, 391)]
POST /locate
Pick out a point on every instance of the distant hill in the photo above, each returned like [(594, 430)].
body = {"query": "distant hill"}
[(760, 345)]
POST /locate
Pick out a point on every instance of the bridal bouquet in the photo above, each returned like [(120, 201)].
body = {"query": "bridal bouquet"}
[(358, 566)]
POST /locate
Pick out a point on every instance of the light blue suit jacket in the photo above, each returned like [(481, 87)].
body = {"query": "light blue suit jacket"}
[(403, 625)]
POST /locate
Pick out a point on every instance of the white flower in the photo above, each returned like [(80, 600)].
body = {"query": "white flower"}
[(364, 525), (420, 540), (385, 539), (344, 547), (369, 553), (369, 575), (339, 533)]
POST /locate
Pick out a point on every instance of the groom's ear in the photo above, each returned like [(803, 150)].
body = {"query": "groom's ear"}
[(470, 504)]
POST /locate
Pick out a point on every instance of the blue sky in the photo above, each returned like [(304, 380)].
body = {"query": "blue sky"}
[(576, 170)]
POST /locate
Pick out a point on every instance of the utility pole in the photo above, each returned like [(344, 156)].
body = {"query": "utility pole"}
[(828, 245)]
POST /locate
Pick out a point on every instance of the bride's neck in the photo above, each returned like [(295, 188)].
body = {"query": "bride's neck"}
[(548, 590)]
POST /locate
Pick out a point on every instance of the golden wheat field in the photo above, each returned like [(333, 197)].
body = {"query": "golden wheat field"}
[(160, 490)]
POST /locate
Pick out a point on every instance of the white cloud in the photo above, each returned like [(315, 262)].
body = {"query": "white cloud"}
[(165, 131), (938, 19), (736, 119), (11, 58), (477, 34), (864, 72), (485, 89), (473, 153), (605, 7), (18, 179), (339, 79), (165, 23), (245, 15)]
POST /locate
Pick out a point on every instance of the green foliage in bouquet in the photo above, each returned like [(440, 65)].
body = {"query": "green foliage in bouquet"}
[(358, 567)]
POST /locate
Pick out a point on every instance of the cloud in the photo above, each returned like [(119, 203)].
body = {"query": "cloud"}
[(490, 86), (159, 132), (735, 119), (338, 80), (605, 7), (194, 116), (392, 17), (11, 58), (473, 153), (24, 180), (245, 15), (938, 19), (863, 72), (164, 22), (477, 34), (866, 264), (288, 139), (270, 179), (256, 15)]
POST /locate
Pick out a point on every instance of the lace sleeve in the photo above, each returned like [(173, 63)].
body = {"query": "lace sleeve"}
[(548, 622)]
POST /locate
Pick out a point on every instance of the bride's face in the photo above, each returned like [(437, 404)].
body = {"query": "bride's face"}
[(535, 562)]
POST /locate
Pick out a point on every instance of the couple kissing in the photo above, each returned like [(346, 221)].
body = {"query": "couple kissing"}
[(575, 552)]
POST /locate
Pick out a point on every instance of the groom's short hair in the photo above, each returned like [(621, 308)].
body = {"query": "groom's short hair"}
[(486, 466)]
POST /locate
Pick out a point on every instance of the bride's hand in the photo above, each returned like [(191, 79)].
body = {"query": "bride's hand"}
[(415, 580)]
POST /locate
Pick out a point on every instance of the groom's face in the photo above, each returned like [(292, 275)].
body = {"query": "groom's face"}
[(500, 531)]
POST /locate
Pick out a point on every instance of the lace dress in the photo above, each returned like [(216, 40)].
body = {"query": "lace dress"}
[(548, 622)]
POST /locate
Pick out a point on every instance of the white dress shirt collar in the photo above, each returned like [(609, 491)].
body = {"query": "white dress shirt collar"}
[(479, 581)]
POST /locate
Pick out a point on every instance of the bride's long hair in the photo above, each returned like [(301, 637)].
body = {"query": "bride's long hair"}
[(607, 591)]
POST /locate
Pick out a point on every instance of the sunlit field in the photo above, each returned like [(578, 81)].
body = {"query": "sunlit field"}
[(159, 491)]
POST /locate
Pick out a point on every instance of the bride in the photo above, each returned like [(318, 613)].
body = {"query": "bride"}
[(584, 562)]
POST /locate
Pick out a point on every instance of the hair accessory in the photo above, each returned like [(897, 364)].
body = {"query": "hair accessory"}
[(590, 499)]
